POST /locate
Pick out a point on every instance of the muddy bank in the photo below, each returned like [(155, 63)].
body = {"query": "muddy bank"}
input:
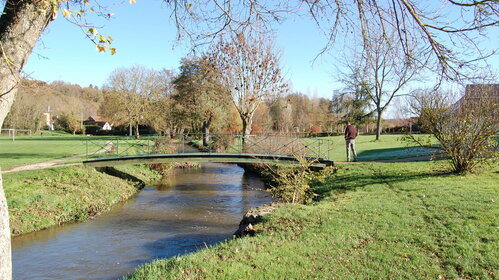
[(252, 217)]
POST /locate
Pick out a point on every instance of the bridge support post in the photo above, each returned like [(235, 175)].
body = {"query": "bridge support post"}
[(320, 144), (148, 143), (183, 143)]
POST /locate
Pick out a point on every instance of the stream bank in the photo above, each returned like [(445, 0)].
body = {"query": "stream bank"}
[(39, 199), (192, 209)]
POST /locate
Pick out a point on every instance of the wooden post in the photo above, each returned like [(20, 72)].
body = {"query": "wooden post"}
[(5, 250)]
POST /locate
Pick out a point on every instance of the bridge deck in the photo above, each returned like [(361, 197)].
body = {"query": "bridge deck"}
[(202, 157)]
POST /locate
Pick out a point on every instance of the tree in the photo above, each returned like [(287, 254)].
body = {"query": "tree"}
[(381, 72), (68, 122), (132, 92), (161, 114), (448, 32), (321, 114), (27, 110), (250, 70), (281, 111), (198, 89), (353, 106), (465, 129), (301, 109), (22, 23)]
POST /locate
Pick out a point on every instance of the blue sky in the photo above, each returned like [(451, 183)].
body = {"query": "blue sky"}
[(144, 35)]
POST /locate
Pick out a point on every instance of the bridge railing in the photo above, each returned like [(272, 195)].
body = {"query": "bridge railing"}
[(262, 144)]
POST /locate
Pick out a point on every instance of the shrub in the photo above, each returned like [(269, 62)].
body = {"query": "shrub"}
[(465, 129), (314, 129), (92, 129), (293, 185), (256, 129), (68, 123)]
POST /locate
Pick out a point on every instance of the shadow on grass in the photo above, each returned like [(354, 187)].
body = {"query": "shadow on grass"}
[(120, 174), (394, 153)]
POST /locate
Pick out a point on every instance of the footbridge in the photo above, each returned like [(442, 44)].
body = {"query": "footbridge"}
[(225, 148)]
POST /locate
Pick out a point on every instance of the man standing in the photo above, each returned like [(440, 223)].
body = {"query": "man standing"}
[(350, 135)]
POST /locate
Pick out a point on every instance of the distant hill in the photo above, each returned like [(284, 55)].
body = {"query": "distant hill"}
[(35, 98)]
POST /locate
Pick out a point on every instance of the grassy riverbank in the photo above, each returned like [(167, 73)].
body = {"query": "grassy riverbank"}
[(375, 220), (43, 198)]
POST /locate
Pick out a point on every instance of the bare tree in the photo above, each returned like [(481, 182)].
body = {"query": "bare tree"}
[(250, 70), (453, 43), (381, 70), (132, 92), (449, 31)]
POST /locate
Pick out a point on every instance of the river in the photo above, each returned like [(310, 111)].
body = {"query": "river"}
[(194, 208)]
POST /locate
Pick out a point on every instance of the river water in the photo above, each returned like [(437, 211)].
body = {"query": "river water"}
[(194, 208)]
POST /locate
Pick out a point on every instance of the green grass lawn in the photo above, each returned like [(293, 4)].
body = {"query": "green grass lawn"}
[(388, 147), (27, 150), (52, 145), (374, 221)]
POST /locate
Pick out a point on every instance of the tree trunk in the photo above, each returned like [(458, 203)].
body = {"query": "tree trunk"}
[(21, 24), (137, 136), (247, 122), (206, 132), (378, 125), (130, 130), (172, 131), (5, 255)]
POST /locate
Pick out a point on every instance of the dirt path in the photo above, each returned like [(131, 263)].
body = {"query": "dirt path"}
[(54, 163)]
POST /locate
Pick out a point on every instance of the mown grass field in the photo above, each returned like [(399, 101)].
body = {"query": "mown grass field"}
[(56, 145), (410, 220), (28, 150), (368, 149)]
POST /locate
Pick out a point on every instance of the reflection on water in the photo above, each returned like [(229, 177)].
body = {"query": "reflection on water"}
[(191, 208)]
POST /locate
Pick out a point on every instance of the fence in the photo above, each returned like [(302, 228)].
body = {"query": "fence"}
[(315, 148)]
